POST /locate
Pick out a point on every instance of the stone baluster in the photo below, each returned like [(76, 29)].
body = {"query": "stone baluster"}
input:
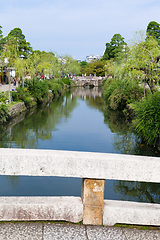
[(92, 198)]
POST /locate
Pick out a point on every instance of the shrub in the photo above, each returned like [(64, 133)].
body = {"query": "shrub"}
[(147, 118), (57, 88), (3, 113), (3, 97), (118, 93), (22, 94), (67, 81), (39, 89)]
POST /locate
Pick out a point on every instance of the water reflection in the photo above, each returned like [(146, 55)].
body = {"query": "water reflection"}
[(13, 180), (77, 121), (139, 191), (26, 130)]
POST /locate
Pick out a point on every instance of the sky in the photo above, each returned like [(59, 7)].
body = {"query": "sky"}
[(77, 27)]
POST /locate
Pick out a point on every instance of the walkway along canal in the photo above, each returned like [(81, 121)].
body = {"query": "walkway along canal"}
[(79, 121)]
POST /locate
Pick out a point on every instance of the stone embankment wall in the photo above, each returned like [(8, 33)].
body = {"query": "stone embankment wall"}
[(16, 109)]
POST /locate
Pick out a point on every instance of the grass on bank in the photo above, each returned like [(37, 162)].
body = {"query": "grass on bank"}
[(120, 93), (147, 118)]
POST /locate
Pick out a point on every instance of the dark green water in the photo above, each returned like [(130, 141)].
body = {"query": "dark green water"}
[(78, 121)]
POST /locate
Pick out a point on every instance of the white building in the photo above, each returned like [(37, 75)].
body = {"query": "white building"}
[(92, 58)]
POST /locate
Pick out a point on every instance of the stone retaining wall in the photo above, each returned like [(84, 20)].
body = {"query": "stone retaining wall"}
[(17, 109)]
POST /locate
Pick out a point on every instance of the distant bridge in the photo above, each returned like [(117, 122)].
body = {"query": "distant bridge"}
[(88, 81)]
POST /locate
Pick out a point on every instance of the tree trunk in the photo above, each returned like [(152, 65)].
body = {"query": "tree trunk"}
[(9, 80)]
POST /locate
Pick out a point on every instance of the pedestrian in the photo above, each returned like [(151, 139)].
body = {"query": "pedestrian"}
[(14, 84)]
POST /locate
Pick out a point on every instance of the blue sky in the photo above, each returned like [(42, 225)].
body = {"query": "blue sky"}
[(77, 27)]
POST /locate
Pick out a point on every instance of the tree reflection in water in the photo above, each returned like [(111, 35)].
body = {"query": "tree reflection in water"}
[(13, 180), (138, 191), (37, 125)]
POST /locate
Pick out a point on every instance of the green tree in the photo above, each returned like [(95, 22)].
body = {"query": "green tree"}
[(153, 29), (2, 40), (83, 63), (116, 46), (96, 67), (1, 33), (9, 55), (22, 69), (40, 63), (24, 47), (68, 65), (48, 64), (33, 61), (141, 64)]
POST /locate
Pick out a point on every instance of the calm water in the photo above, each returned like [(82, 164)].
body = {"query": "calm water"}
[(78, 121)]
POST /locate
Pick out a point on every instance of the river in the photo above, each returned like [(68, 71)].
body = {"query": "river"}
[(77, 121)]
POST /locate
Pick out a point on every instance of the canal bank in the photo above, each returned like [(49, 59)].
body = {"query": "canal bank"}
[(23, 99)]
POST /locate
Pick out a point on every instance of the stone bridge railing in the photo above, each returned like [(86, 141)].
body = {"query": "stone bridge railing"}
[(93, 168)]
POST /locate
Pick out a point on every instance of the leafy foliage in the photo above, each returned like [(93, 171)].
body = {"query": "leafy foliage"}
[(153, 29), (22, 94), (116, 46), (3, 97), (1, 33), (66, 81), (24, 47), (141, 64), (42, 89), (3, 113), (96, 67), (39, 90), (68, 65), (147, 118), (118, 92)]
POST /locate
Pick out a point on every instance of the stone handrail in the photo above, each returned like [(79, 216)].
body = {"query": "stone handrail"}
[(93, 168), (33, 162)]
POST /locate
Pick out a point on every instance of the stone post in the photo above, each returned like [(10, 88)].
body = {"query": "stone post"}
[(92, 198)]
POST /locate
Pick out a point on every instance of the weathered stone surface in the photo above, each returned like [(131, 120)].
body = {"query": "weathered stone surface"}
[(64, 232), (41, 208), (133, 234), (105, 233), (34, 162), (21, 231), (92, 215), (17, 109), (51, 231), (92, 198), (93, 192), (130, 213)]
